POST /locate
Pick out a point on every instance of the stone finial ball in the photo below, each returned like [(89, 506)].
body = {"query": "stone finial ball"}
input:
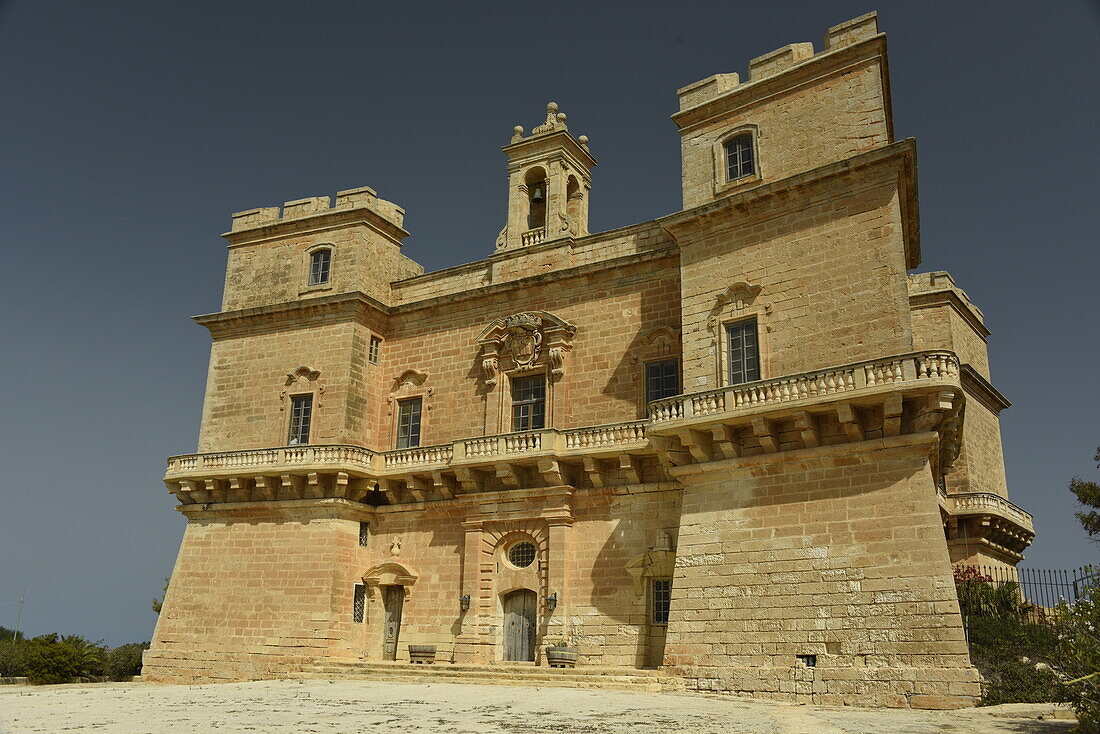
[(552, 107), (583, 140), (561, 117), (518, 129)]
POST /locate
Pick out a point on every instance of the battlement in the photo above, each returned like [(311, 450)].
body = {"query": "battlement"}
[(363, 197), (941, 281), (776, 62)]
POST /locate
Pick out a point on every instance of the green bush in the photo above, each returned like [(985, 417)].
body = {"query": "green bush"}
[(1078, 654), (1016, 658), (49, 659), (11, 658), (125, 661)]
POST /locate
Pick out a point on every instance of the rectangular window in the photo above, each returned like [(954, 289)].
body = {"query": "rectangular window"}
[(375, 350), (739, 161), (661, 594), (319, 263), (301, 414), (743, 352), (408, 423), (662, 379), (364, 534), (359, 604), (529, 403)]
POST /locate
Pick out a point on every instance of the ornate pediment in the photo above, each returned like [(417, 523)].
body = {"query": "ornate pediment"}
[(524, 340), (390, 573)]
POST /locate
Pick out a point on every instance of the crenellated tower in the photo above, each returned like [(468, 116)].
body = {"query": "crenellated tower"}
[(548, 183)]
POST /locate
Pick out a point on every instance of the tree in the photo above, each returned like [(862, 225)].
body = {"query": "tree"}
[(124, 661), (158, 603), (1088, 494)]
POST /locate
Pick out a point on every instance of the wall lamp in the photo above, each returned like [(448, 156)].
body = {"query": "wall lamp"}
[(552, 601), (464, 602)]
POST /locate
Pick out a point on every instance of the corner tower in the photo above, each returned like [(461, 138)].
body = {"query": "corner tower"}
[(548, 183)]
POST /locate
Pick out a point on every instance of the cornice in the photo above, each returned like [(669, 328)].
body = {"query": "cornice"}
[(948, 297), (983, 390), (633, 258), (314, 222), (311, 311), (903, 152)]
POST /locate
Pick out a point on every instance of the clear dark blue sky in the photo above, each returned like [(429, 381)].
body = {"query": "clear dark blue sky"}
[(131, 130)]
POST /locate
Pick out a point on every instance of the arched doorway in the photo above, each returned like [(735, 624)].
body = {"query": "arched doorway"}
[(520, 616)]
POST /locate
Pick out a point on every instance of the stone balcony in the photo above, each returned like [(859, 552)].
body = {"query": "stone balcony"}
[(989, 520), (910, 393)]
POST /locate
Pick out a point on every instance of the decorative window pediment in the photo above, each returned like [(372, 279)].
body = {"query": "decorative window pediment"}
[(525, 340), (390, 573)]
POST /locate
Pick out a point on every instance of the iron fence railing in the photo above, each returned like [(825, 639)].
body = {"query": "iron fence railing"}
[(1040, 590)]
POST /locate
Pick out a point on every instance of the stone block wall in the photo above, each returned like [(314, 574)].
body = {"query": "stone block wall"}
[(829, 261), (834, 552), (804, 111), (253, 596), (247, 403)]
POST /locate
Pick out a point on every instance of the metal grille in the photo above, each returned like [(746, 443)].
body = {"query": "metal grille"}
[(359, 604), (301, 413), (739, 162), (364, 533), (1042, 588), (375, 350), (522, 555), (408, 423), (744, 353), (662, 379), (662, 600), (319, 264), (529, 403)]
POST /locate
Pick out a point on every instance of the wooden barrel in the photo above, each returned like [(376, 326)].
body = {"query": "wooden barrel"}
[(561, 657)]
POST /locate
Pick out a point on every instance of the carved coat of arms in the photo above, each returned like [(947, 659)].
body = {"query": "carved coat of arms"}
[(523, 338)]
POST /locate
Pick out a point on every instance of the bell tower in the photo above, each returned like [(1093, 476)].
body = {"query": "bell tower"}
[(548, 184)]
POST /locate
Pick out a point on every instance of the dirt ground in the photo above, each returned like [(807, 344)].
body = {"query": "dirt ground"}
[(373, 706)]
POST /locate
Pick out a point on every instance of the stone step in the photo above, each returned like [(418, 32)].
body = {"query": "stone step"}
[(504, 668), (531, 675)]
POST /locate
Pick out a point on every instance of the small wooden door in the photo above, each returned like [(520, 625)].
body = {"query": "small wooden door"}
[(519, 625), (393, 598)]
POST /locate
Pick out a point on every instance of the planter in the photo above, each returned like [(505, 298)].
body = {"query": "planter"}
[(562, 657), (422, 654)]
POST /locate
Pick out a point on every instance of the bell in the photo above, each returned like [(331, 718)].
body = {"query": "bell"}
[(537, 197)]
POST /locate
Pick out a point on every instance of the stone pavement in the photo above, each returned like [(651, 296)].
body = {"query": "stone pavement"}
[(274, 707)]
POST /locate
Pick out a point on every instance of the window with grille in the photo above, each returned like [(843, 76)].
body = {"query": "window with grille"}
[(661, 599), (359, 603), (743, 352), (364, 534), (522, 555), (739, 162), (301, 414), (320, 263), (408, 423), (529, 403), (375, 351), (662, 379)]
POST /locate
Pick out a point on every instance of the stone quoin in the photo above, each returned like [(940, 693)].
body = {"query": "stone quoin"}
[(743, 442)]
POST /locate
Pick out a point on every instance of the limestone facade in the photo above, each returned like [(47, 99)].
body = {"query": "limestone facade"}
[(742, 442)]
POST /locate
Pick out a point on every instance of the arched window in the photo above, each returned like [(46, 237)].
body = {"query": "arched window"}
[(739, 157), (320, 264), (536, 198)]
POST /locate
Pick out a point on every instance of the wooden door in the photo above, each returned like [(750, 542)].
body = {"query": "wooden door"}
[(519, 625), (393, 598)]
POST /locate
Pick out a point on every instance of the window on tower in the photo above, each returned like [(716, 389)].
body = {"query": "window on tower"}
[(320, 263), (739, 157)]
